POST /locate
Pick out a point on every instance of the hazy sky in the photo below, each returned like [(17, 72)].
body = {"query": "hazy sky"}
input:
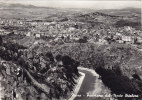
[(96, 4)]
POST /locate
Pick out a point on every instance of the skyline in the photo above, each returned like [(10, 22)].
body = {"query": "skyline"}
[(92, 4)]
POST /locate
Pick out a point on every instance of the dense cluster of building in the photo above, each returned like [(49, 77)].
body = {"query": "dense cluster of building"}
[(69, 31)]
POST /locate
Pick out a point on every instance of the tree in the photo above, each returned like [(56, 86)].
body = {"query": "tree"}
[(83, 40), (1, 40), (58, 58), (66, 60), (50, 56), (136, 76)]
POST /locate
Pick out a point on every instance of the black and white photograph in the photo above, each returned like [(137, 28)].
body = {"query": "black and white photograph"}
[(70, 50)]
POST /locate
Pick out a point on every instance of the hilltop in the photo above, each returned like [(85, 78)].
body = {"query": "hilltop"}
[(12, 6)]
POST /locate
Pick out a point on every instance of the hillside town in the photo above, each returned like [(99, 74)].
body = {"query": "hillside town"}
[(69, 31), (43, 50)]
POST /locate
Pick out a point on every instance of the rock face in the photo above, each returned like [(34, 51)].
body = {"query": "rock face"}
[(23, 78)]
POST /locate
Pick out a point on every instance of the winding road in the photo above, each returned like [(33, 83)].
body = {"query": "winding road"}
[(92, 88)]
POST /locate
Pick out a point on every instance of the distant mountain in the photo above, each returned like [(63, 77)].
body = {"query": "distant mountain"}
[(28, 11), (138, 10), (96, 17), (12, 6), (22, 6), (122, 12)]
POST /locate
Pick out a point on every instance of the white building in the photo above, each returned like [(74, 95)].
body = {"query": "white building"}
[(126, 38), (118, 34), (46, 23), (37, 35), (103, 41), (139, 39), (28, 34)]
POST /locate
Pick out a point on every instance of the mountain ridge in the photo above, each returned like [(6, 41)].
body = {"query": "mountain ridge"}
[(15, 5)]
